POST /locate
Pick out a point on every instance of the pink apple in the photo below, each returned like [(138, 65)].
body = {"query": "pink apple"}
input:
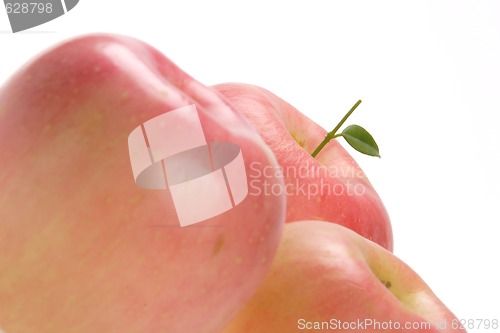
[(330, 187), (82, 247), (326, 278)]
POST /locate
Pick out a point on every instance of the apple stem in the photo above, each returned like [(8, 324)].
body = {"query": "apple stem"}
[(333, 134)]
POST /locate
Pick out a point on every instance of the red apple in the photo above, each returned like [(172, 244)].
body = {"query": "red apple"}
[(326, 278), (330, 187), (82, 247)]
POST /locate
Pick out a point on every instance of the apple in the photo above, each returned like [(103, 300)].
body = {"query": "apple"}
[(330, 187), (83, 248), (327, 278)]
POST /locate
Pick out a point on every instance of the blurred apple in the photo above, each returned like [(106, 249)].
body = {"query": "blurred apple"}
[(326, 278), (82, 247), (330, 187)]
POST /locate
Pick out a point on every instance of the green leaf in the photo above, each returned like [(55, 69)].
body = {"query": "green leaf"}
[(361, 140)]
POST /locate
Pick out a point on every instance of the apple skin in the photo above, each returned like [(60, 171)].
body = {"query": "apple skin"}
[(324, 271), (82, 247), (340, 192)]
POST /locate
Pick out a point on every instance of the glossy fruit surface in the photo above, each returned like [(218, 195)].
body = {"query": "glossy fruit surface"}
[(327, 278), (82, 247), (331, 187)]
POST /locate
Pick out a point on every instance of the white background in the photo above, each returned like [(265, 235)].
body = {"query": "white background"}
[(428, 73)]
